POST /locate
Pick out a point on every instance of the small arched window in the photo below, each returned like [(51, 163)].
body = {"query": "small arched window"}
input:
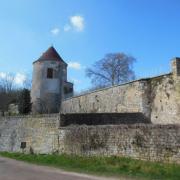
[(49, 73)]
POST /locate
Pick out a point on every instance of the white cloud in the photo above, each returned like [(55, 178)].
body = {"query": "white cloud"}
[(55, 31), (2, 75), (77, 22), (67, 27), (75, 65), (19, 78)]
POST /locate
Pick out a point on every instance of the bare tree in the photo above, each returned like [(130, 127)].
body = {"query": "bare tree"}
[(113, 69), (27, 84), (8, 93), (7, 82)]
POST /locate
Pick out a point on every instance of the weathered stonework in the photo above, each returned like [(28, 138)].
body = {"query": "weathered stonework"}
[(151, 101), (43, 135), (49, 84), (129, 97), (157, 98), (145, 142), (39, 132), (164, 103)]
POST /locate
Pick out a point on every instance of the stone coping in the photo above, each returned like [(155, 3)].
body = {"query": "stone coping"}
[(125, 126), (130, 82), (32, 116)]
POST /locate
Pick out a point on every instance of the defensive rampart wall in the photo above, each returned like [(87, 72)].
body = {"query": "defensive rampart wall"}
[(42, 134)]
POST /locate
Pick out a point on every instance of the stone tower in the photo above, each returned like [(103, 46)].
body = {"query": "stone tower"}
[(176, 66), (49, 84)]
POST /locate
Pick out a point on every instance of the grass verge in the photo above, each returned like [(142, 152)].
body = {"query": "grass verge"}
[(109, 166)]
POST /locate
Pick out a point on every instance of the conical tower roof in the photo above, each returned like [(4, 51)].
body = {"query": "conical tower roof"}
[(50, 55)]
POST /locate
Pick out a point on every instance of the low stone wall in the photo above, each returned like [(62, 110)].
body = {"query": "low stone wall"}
[(102, 119), (145, 142), (42, 134), (39, 132)]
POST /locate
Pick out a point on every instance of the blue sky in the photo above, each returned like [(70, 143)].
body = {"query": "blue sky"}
[(83, 31)]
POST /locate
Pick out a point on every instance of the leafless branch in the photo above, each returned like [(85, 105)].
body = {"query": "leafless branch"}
[(114, 68)]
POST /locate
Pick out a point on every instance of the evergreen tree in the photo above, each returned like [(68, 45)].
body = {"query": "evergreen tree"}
[(24, 104)]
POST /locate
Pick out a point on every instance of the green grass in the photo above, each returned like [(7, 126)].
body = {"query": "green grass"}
[(108, 166)]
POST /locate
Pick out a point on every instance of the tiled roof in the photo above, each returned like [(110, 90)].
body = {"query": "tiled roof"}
[(50, 54)]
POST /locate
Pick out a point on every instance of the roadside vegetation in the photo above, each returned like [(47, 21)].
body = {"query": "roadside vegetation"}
[(108, 166)]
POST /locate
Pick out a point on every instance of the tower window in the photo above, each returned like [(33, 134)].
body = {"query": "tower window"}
[(49, 73)]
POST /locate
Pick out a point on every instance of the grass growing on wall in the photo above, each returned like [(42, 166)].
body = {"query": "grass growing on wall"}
[(109, 166)]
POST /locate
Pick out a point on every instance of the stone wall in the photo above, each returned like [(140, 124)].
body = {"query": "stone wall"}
[(165, 100), (157, 98), (47, 93), (39, 132), (145, 142), (43, 135), (130, 97)]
